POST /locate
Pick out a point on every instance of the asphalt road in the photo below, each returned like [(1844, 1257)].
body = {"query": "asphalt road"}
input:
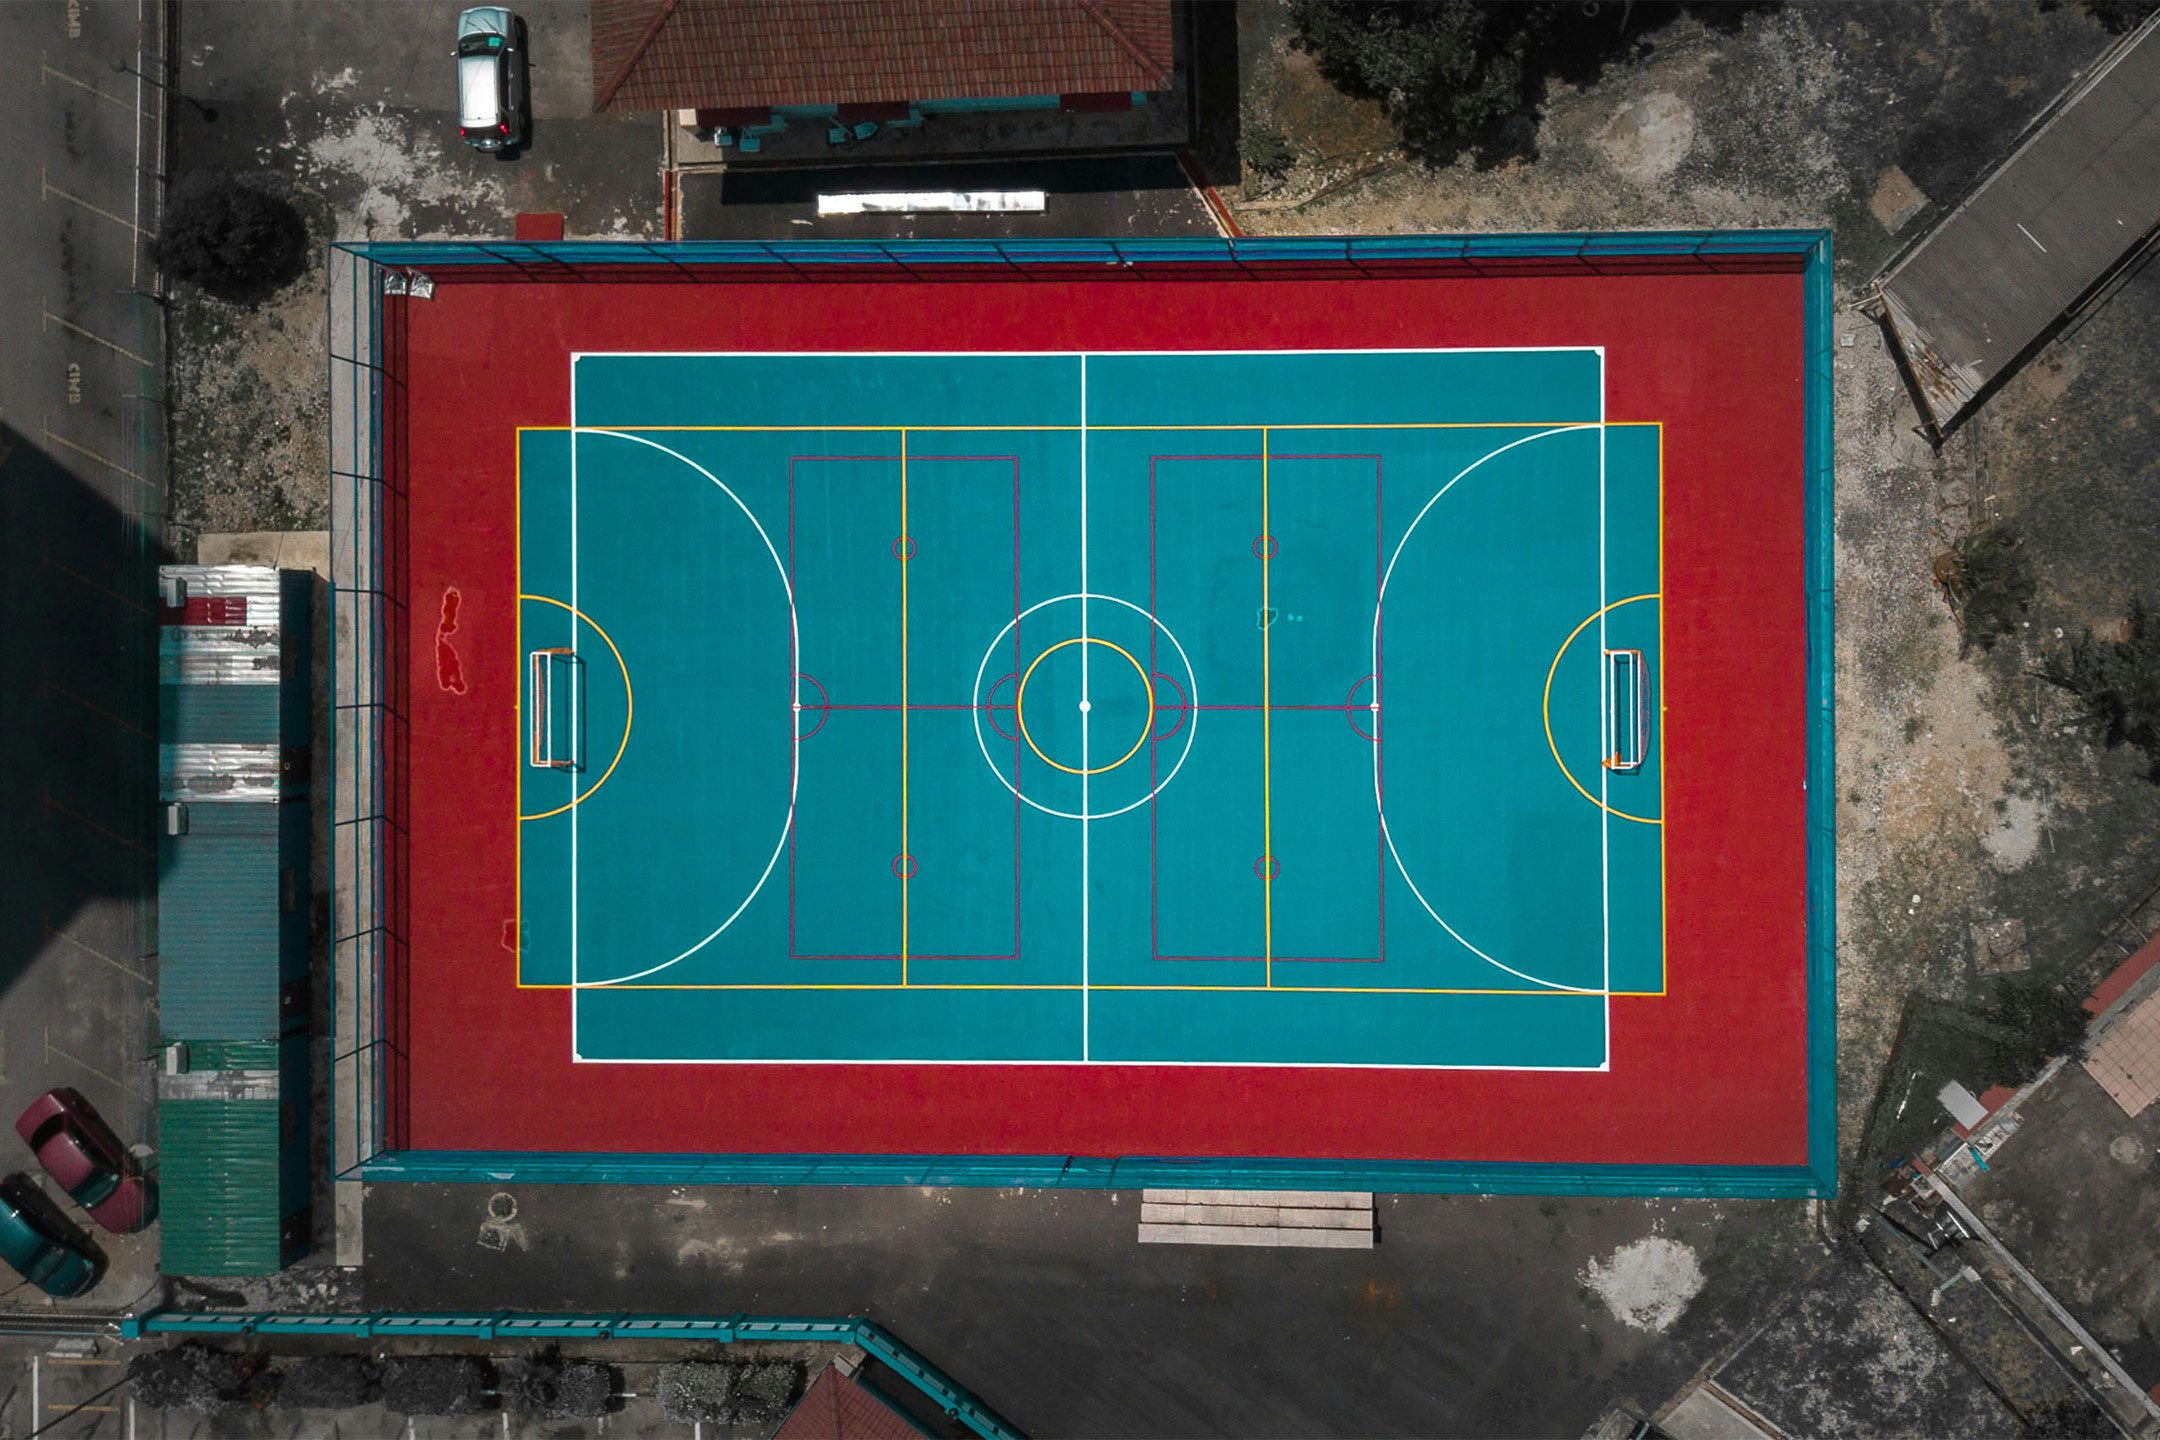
[(1471, 1317), (80, 492)]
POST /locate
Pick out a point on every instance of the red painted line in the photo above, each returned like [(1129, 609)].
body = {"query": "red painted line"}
[(1284, 959), (1015, 736), (895, 956), (1379, 615)]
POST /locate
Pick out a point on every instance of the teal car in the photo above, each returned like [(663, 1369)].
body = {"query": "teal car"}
[(38, 1253)]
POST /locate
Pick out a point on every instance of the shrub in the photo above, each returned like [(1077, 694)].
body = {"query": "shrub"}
[(697, 1392), (235, 241), (1988, 584), (551, 1388), (435, 1384), (1267, 151), (189, 1376), (2117, 683), (330, 1382), (765, 1390), (2119, 17), (1469, 75)]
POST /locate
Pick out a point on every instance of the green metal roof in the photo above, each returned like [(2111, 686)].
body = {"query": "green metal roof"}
[(218, 1183)]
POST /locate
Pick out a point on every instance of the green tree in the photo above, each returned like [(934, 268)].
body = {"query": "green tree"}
[(1462, 76), (2117, 683), (237, 242)]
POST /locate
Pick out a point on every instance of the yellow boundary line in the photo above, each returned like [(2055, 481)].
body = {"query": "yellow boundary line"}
[(902, 430), (1183, 989), (1020, 704), (1045, 429)]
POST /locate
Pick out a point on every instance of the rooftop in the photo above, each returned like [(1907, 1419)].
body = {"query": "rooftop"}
[(727, 54)]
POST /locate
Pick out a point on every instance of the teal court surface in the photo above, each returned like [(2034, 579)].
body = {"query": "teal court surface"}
[(1211, 708)]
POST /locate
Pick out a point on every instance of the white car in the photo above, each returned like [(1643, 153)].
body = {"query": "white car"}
[(491, 78)]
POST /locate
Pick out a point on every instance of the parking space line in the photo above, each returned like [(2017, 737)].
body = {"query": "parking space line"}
[(93, 455), (113, 835), (46, 190), (47, 315), (63, 76), (78, 576), (52, 934), (52, 1050), (96, 709)]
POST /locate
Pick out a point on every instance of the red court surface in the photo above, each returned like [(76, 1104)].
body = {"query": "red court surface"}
[(1712, 1073)]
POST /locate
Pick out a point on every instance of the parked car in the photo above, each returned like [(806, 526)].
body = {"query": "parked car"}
[(38, 1249), (78, 1149), (491, 78)]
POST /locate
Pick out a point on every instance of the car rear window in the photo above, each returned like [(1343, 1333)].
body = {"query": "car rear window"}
[(478, 108)]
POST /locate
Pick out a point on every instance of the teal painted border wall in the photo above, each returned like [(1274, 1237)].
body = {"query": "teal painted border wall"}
[(1622, 251)]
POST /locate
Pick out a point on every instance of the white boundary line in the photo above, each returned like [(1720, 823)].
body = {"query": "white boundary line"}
[(574, 871), (1087, 803), (1084, 356), (1096, 354), (1604, 770)]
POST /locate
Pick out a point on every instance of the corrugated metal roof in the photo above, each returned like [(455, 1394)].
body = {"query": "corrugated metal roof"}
[(219, 928), (215, 774), (2037, 234), (724, 54), (219, 1191), (193, 652), (206, 713)]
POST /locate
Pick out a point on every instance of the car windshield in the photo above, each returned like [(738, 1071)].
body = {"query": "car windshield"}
[(20, 1245), (479, 44)]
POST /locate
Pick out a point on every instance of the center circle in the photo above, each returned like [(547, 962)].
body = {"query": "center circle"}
[(1020, 705), (1064, 795)]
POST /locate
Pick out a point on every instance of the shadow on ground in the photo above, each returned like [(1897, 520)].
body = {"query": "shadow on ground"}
[(79, 728)]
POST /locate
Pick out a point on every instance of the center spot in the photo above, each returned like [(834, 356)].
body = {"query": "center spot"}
[(1083, 707)]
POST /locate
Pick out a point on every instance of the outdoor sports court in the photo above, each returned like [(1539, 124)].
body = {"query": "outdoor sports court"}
[(1327, 718)]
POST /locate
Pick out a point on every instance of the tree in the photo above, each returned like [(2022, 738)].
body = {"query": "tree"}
[(233, 240), (189, 1376), (2117, 683), (1988, 583), (551, 1388), (697, 1392), (1461, 76), (330, 1382), (436, 1384)]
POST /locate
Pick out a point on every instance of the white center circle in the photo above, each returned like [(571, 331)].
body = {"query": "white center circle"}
[(980, 707), (1084, 707)]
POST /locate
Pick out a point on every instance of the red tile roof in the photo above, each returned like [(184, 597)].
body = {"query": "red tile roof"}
[(715, 54), (837, 1407)]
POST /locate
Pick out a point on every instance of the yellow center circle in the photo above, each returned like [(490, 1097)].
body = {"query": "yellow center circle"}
[(1020, 705)]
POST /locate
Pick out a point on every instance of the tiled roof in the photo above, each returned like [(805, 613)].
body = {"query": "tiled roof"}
[(723, 54), (837, 1407)]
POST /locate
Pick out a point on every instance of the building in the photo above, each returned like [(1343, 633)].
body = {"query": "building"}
[(743, 72), (233, 915)]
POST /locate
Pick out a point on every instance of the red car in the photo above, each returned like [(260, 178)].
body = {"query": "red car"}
[(78, 1149)]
